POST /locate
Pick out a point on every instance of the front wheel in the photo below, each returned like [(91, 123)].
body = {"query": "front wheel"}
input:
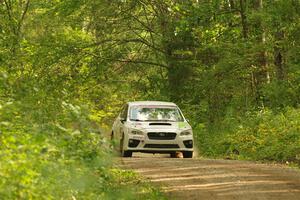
[(127, 154), (187, 154), (112, 136), (122, 151)]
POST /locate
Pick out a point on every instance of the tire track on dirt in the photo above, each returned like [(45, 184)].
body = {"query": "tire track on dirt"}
[(217, 179)]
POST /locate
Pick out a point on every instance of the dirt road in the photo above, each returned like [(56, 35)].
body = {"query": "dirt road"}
[(217, 179)]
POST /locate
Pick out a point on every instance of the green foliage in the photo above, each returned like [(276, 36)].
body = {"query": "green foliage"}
[(66, 68), (68, 159), (263, 135)]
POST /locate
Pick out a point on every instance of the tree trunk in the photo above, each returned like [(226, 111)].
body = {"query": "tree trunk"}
[(243, 19), (278, 56), (264, 54)]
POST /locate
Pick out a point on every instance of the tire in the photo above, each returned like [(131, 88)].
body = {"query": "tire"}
[(124, 153), (187, 154), (121, 144), (173, 154), (112, 136), (127, 154), (112, 142)]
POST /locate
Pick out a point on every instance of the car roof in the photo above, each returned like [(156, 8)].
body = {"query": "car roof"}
[(152, 103)]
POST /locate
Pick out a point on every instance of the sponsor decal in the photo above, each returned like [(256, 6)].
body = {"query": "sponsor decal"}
[(182, 124)]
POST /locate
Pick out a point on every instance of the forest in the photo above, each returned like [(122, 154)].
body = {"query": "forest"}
[(68, 66)]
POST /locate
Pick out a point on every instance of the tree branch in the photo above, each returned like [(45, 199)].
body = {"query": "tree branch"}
[(23, 15), (139, 62)]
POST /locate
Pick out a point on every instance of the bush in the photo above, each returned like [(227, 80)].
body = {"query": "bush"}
[(65, 157), (263, 135)]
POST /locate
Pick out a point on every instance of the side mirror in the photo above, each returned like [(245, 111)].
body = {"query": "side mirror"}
[(122, 120)]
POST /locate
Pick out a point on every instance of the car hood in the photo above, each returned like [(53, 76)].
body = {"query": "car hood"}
[(155, 125)]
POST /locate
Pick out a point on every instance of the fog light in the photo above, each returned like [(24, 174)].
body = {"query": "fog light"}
[(133, 143), (188, 143)]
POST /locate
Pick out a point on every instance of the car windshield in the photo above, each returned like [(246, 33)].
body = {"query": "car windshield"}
[(155, 113)]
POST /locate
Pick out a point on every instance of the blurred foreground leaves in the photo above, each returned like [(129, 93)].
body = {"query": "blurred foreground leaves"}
[(63, 159)]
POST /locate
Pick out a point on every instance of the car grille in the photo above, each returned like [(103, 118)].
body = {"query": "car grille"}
[(162, 146), (161, 135)]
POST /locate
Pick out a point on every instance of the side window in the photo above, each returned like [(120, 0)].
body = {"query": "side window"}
[(124, 112)]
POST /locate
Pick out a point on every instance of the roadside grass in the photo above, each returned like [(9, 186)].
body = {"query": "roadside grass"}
[(264, 136), (135, 186)]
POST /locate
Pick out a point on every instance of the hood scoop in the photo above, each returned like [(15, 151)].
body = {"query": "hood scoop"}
[(160, 124)]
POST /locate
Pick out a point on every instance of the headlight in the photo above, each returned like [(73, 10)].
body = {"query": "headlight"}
[(185, 133), (137, 132)]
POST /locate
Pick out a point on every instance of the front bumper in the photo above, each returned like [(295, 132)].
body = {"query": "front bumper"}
[(142, 143)]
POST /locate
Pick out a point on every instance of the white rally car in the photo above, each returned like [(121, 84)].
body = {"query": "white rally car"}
[(153, 127)]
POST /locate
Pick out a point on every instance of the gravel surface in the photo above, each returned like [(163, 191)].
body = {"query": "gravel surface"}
[(216, 179)]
